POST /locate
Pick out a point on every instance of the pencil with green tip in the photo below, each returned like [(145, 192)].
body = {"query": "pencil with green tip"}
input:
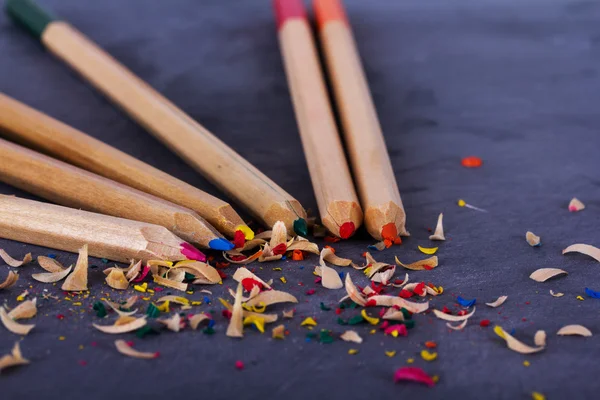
[(376, 184), (212, 158)]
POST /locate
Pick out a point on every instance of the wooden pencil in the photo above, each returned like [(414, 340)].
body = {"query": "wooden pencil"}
[(68, 229), (329, 172), (235, 176), (70, 186), (376, 184), (23, 124)]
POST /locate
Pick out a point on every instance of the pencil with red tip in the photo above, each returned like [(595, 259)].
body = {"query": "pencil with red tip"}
[(329, 172), (384, 213)]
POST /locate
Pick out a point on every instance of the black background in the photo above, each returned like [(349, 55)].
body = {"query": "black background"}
[(513, 82)]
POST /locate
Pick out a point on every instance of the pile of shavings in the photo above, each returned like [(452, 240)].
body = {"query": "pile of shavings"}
[(181, 274)]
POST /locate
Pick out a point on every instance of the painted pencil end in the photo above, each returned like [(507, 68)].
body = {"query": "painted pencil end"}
[(328, 10), (347, 229), (192, 253), (29, 15), (220, 244), (286, 9), (301, 227)]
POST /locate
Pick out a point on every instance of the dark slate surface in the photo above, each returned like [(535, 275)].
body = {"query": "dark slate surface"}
[(513, 82)]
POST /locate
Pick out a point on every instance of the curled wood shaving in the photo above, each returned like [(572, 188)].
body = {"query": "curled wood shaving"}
[(118, 309), (430, 263), (236, 326), (351, 336), (12, 262), (532, 239), (390, 301), (515, 344), (134, 270), (576, 205), (271, 297), (404, 282), (305, 245), (289, 314), (116, 279), (393, 315), (353, 292), (543, 274), (13, 326), (453, 318), (332, 258), (174, 299), (25, 310), (51, 277), (499, 301), (439, 229), (329, 276), (10, 280), (119, 327), (227, 256), (78, 280), (13, 359), (177, 275), (578, 330), (173, 323), (539, 339), (265, 235), (384, 276), (428, 290), (170, 283), (243, 273), (196, 319), (279, 234), (50, 264), (124, 348), (458, 327), (203, 272), (556, 294), (586, 249), (274, 257)]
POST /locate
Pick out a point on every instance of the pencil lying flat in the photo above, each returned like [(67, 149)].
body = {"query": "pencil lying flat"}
[(34, 129), (329, 172), (371, 164), (67, 229), (235, 176), (73, 187)]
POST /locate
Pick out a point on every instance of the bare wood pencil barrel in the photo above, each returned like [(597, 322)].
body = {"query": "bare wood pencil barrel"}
[(371, 164), (67, 229), (35, 129), (329, 172), (73, 187)]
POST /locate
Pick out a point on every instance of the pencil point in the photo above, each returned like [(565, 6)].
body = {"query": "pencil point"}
[(192, 253), (347, 229), (220, 244), (301, 227)]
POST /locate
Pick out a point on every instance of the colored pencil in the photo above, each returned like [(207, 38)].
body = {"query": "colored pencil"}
[(70, 186), (68, 229), (24, 125), (235, 176), (372, 170), (329, 172)]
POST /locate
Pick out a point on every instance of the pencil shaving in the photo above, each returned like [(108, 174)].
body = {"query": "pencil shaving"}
[(12, 262), (586, 249), (271, 297), (532, 239), (543, 274), (329, 276), (14, 359), (458, 327), (124, 348), (203, 272), (518, 346), (134, 270), (278, 332), (171, 283), (78, 280), (353, 292), (118, 309), (351, 336), (10, 280), (116, 279), (25, 310), (50, 264), (539, 339), (236, 326), (426, 264), (131, 325), (556, 294), (13, 326), (498, 302), (304, 245), (439, 229), (173, 323), (279, 234), (454, 318), (197, 319), (577, 330), (52, 277), (243, 273), (576, 205), (390, 301)]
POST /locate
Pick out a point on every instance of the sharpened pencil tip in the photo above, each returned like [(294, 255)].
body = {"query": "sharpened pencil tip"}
[(192, 253), (347, 229), (301, 227), (220, 244)]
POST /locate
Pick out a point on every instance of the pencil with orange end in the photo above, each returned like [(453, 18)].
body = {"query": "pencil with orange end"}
[(206, 153), (34, 129), (372, 169), (336, 197)]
